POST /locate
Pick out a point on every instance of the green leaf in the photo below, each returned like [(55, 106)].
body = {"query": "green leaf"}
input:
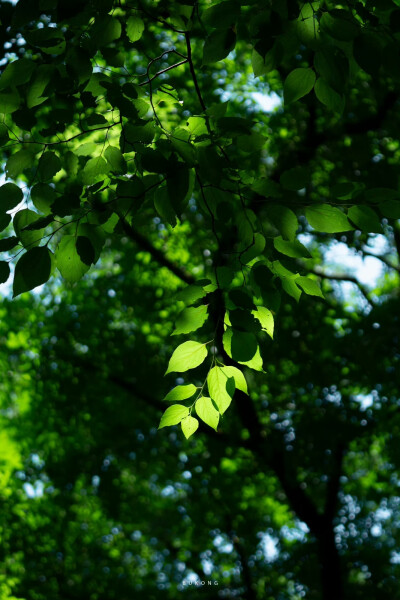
[(38, 85), (40, 223), (293, 249), (17, 73), (22, 219), (328, 96), (295, 179), (49, 39), (181, 392), (49, 165), (191, 294), (186, 150), (309, 286), (253, 142), (243, 348), (68, 261), (105, 30), (173, 415), (267, 188), (390, 209), (365, 218), (134, 28), (18, 162), (290, 287), (197, 126), (139, 133), (189, 426), (238, 377), (225, 277), (4, 137), (332, 66), (188, 355), (221, 15), (10, 196), (32, 269), (9, 243), (43, 196), (85, 250), (338, 24), (266, 319), (207, 412), (307, 26), (328, 219), (115, 159), (4, 271), (163, 206), (255, 249), (190, 319), (5, 220), (284, 220), (241, 299), (258, 63), (243, 320), (221, 387), (297, 84), (95, 168), (9, 101), (218, 45)]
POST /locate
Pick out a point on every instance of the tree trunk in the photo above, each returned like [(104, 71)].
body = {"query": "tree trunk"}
[(331, 574)]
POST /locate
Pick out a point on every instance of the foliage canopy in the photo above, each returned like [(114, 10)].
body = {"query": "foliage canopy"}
[(140, 167)]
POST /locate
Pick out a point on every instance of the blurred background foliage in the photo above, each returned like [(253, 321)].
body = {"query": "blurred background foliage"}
[(300, 484)]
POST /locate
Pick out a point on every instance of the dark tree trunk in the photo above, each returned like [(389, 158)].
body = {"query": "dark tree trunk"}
[(329, 559)]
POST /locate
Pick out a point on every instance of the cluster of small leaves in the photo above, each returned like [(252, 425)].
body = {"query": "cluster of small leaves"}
[(92, 148)]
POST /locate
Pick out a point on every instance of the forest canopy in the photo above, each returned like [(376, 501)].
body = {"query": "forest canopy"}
[(200, 217)]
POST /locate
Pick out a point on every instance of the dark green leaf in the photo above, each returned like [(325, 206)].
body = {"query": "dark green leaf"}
[(293, 249), (105, 30), (284, 220), (365, 218), (85, 250), (32, 269), (18, 162), (22, 219), (297, 84), (8, 243), (218, 45), (43, 196), (9, 101), (339, 25), (222, 15), (115, 159), (295, 179), (41, 223), (10, 196), (5, 220), (4, 271), (49, 165), (328, 96)]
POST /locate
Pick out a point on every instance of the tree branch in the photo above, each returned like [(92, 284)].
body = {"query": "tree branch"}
[(349, 278), (156, 254), (383, 259)]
